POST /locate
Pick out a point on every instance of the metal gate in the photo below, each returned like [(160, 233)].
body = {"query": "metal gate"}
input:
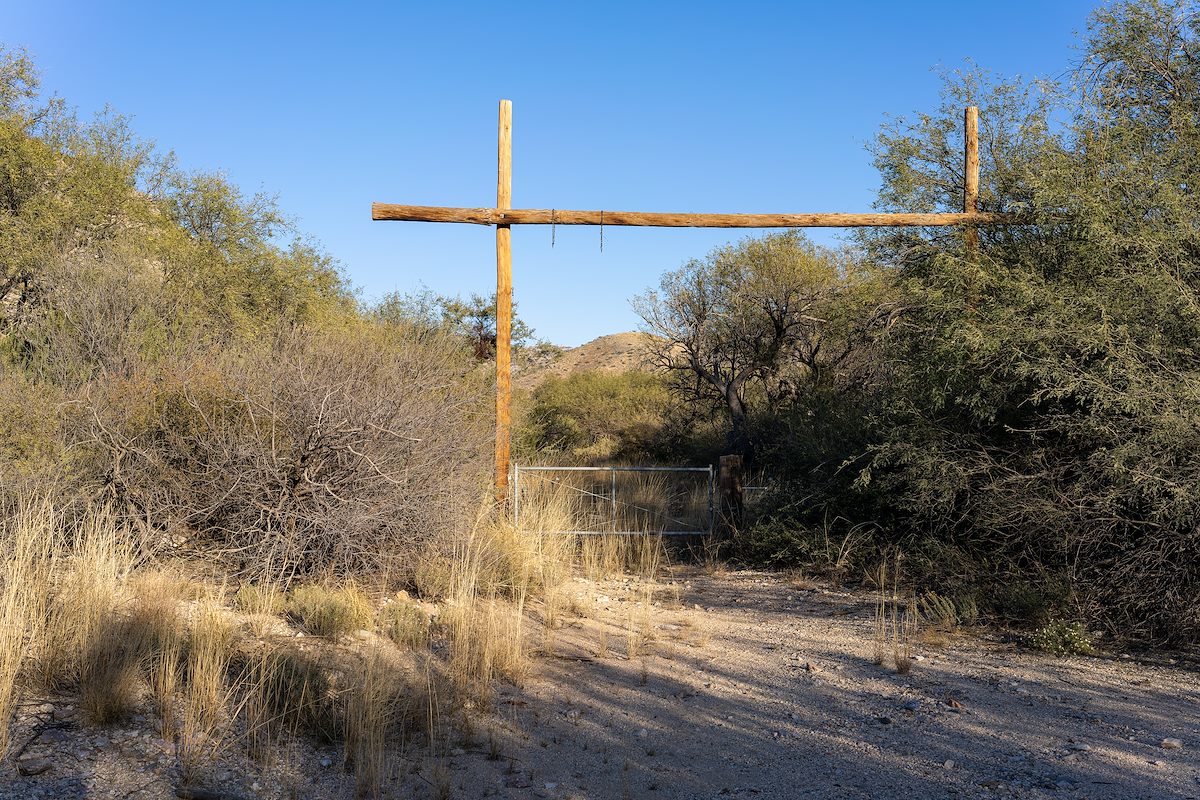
[(665, 501)]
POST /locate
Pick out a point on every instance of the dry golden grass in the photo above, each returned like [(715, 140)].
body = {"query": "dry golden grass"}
[(70, 597), (110, 670), (93, 569), (895, 620), (328, 610), (375, 703), (26, 564)]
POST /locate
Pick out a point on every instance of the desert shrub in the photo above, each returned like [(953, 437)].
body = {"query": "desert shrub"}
[(1035, 407), (30, 426), (595, 416), (947, 612), (1063, 639), (405, 624), (341, 451), (326, 611)]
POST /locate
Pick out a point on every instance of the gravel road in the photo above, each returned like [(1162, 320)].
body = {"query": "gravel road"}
[(740, 684)]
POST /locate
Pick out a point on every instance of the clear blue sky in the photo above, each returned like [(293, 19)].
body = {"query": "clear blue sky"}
[(697, 106)]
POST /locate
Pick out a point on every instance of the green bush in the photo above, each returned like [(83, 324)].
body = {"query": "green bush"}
[(1063, 639), (595, 416), (405, 624)]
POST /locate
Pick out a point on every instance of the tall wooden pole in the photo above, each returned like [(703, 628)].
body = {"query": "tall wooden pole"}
[(971, 173), (503, 301)]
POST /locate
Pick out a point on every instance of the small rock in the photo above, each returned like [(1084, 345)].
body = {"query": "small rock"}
[(884, 720), (53, 736), (63, 712), (948, 764), (100, 743), (1079, 747), (516, 782), (45, 708), (643, 733), (913, 705), (550, 786), (34, 766), (326, 762), (1171, 744), (458, 751)]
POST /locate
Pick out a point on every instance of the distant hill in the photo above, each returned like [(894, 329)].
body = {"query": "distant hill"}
[(617, 352)]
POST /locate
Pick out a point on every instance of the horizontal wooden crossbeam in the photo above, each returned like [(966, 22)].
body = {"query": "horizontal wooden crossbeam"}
[(546, 216)]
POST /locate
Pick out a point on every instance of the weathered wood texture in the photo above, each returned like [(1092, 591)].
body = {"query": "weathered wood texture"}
[(545, 216), (503, 299), (971, 174), (730, 480)]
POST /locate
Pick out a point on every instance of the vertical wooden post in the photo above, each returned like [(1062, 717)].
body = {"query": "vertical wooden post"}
[(971, 179), (503, 300), (730, 481)]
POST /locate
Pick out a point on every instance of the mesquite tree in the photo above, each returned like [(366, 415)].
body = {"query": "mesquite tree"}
[(760, 320)]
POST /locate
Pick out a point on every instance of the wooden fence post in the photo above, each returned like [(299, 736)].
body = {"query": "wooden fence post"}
[(971, 177), (503, 301), (729, 482)]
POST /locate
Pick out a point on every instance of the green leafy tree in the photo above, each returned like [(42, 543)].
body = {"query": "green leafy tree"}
[(595, 416), (1044, 406), (762, 321), (473, 320)]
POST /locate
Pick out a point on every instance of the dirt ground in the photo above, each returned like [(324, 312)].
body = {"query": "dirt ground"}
[(740, 685)]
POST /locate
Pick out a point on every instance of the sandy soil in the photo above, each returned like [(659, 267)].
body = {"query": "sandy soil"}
[(750, 685)]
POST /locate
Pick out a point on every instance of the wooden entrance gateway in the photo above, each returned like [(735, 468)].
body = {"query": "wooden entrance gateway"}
[(504, 216)]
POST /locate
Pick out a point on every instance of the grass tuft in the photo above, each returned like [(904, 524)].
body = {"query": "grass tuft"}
[(329, 611)]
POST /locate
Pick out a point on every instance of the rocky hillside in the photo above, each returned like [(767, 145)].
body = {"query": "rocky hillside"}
[(617, 352)]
